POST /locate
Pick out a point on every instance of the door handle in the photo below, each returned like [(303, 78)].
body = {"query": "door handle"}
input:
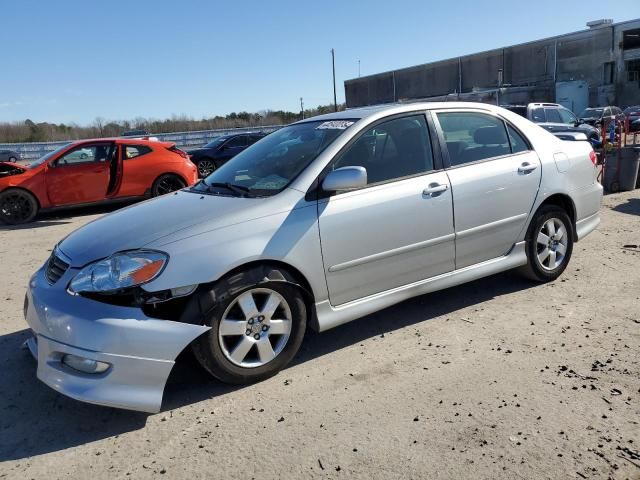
[(527, 167), (435, 188)]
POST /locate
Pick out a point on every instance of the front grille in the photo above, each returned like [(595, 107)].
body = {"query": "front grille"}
[(55, 268)]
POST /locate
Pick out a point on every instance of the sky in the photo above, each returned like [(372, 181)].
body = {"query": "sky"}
[(72, 61)]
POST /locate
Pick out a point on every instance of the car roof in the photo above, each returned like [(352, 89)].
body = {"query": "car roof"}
[(393, 108)]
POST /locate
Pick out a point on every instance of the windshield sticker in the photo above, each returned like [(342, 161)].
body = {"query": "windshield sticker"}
[(272, 182), (335, 125)]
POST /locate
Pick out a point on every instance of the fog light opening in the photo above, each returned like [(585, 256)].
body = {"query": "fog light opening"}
[(84, 365)]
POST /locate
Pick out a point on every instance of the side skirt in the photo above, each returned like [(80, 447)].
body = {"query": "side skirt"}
[(330, 316)]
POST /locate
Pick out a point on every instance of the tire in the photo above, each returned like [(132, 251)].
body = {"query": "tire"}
[(13, 159), (167, 183), (206, 166), (548, 255), (236, 353), (17, 206)]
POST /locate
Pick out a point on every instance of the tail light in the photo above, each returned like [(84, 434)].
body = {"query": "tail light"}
[(593, 157), (182, 153)]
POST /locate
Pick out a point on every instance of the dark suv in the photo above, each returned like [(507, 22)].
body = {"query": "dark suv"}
[(556, 118), (221, 149), (601, 116)]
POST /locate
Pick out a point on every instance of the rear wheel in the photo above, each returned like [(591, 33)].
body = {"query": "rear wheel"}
[(255, 331), (167, 183), (17, 206), (206, 167), (549, 244)]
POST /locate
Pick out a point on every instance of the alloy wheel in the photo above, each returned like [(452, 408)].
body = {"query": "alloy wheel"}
[(16, 207), (552, 241), (255, 328), (206, 167), (168, 184)]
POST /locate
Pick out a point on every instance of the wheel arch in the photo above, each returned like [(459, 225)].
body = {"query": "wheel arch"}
[(252, 273), (175, 174), (563, 201), (9, 188)]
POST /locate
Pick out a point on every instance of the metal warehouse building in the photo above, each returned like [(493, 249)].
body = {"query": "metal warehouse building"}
[(594, 67)]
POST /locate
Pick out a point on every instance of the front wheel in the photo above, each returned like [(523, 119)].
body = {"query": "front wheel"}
[(17, 206), (167, 183), (255, 331), (13, 159), (549, 244)]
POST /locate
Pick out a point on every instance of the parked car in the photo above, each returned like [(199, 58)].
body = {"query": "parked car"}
[(322, 222), (220, 150), (9, 156), (92, 171), (135, 133), (556, 118), (601, 116), (633, 115)]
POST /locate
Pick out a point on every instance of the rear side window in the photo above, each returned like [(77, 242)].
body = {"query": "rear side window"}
[(254, 138), (393, 149), (239, 141), (518, 143), (472, 136), (538, 116), (553, 116), (133, 151)]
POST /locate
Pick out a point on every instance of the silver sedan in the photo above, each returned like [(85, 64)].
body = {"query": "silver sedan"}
[(320, 223)]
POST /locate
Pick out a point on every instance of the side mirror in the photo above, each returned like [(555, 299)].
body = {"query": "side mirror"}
[(345, 179)]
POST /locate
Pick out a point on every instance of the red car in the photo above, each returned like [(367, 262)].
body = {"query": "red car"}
[(91, 171)]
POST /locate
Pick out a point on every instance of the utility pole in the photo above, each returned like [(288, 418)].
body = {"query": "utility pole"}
[(358, 68), (333, 64), (302, 107)]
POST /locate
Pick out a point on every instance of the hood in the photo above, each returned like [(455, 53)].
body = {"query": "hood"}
[(176, 216)]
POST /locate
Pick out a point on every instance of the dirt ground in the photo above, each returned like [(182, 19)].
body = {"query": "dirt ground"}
[(495, 379)]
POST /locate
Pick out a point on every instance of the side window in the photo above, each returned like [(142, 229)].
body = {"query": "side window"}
[(518, 144), (472, 136), (394, 149), (133, 151), (239, 141), (553, 115), (254, 138), (87, 154), (538, 116), (567, 117)]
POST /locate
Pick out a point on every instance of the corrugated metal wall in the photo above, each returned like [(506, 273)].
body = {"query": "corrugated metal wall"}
[(580, 56)]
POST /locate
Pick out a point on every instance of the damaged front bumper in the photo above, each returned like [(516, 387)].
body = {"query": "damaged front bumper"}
[(136, 352)]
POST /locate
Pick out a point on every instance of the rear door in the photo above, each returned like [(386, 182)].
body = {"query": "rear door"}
[(494, 175), (81, 175), (396, 230)]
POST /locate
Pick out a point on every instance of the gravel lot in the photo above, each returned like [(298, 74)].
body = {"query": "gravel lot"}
[(499, 378)]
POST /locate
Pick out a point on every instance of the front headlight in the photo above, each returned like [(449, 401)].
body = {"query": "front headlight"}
[(119, 271)]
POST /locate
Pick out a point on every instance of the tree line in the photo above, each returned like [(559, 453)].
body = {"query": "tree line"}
[(29, 131)]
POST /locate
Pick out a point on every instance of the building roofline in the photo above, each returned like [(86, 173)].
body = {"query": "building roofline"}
[(555, 37)]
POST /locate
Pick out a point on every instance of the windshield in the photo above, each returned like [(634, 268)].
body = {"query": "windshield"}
[(49, 155), (215, 142), (592, 112), (269, 165)]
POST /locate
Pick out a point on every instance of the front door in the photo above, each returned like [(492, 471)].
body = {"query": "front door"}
[(396, 230), (495, 177), (80, 175)]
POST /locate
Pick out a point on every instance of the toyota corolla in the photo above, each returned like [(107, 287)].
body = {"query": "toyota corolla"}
[(320, 223)]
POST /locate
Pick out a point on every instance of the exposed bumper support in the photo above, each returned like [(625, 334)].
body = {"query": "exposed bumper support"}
[(141, 351)]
